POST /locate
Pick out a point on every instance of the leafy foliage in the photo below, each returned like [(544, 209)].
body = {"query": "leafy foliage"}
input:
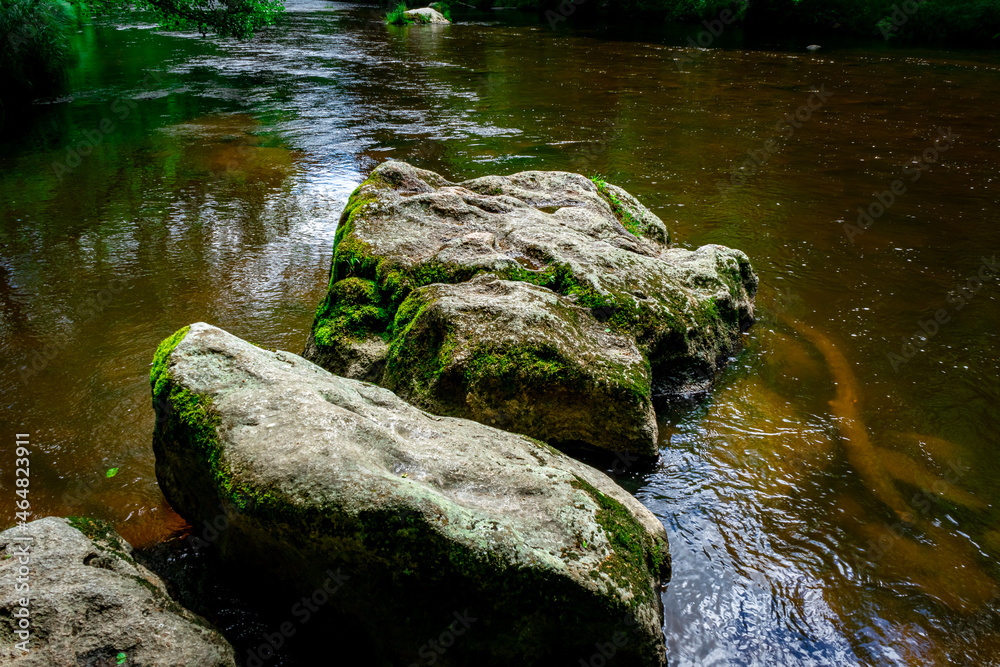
[(34, 43), (35, 34), (397, 15), (227, 18)]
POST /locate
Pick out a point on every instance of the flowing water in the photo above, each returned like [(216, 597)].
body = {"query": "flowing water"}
[(834, 501)]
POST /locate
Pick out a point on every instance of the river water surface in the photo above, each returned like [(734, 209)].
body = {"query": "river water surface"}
[(218, 171)]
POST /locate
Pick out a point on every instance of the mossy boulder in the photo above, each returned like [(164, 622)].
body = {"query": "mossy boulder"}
[(91, 603), (590, 243), (454, 354), (423, 516)]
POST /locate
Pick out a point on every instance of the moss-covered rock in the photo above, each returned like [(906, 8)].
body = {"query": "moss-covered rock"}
[(423, 516), (589, 242), (522, 358)]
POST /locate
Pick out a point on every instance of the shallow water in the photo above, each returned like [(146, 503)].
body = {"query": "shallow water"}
[(213, 194)]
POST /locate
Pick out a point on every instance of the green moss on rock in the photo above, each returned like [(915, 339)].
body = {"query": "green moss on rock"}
[(354, 308), (418, 368), (158, 374), (638, 557), (537, 365), (102, 534), (676, 306)]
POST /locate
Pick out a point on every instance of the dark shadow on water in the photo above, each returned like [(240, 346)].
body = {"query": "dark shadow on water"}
[(629, 470), (252, 609)]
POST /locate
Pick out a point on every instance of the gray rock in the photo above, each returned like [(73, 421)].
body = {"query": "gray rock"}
[(525, 359), (591, 243), (425, 15), (90, 601), (424, 516)]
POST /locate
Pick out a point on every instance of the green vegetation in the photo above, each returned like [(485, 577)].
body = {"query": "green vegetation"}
[(102, 534), (231, 18), (625, 215), (158, 375), (536, 365), (637, 556), (189, 416), (34, 45), (421, 347), (442, 7), (397, 15), (35, 35), (962, 22)]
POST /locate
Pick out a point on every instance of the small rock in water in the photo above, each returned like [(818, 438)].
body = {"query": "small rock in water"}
[(89, 597), (426, 15)]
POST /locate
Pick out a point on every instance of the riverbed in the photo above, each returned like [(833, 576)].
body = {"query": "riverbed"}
[(185, 179)]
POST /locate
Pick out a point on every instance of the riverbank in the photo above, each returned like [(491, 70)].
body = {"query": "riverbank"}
[(910, 22)]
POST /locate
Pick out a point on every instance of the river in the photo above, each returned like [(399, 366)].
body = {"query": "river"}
[(184, 179)]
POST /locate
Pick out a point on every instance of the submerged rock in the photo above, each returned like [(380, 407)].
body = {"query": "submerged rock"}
[(604, 258), (425, 15), (420, 517), (92, 604)]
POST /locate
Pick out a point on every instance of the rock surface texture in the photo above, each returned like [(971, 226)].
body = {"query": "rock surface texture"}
[(424, 518), (90, 602), (426, 15), (543, 302)]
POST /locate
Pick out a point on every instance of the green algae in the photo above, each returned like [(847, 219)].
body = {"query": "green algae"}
[(102, 535)]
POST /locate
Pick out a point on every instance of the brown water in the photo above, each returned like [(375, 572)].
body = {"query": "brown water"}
[(826, 505)]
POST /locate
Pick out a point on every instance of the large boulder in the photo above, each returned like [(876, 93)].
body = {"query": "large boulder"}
[(605, 258), (91, 603), (424, 519)]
